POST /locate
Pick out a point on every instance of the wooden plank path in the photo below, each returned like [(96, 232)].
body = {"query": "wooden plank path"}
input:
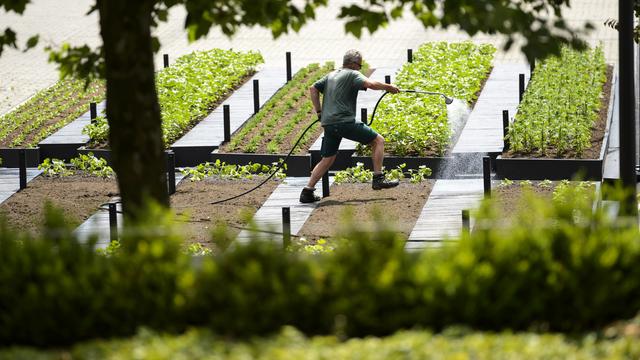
[(210, 131), (10, 181), (612, 158), (366, 99), (441, 216), (98, 223), (72, 132), (483, 130), (269, 216)]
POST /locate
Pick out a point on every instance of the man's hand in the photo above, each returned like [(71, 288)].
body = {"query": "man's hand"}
[(392, 89)]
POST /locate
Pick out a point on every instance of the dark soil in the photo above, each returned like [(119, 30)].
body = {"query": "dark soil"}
[(400, 207), (597, 131), (78, 197), (510, 199), (193, 200)]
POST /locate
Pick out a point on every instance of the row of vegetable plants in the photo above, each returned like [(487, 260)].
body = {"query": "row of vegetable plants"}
[(418, 125), (282, 119), (47, 111), (190, 89), (561, 105)]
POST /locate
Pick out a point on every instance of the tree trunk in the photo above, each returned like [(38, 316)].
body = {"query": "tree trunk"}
[(132, 105)]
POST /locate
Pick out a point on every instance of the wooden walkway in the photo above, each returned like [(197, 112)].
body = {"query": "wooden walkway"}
[(441, 216), (210, 131), (72, 132), (269, 216), (483, 130), (98, 224), (10, 181), (366, 99), (612, 158)]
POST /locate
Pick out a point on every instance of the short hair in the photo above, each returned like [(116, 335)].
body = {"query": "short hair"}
[(352, 56)]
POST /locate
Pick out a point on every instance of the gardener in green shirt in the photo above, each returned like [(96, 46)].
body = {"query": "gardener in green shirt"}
[(338, 118)]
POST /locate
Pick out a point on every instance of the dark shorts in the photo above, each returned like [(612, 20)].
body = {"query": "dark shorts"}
[(333, 134)]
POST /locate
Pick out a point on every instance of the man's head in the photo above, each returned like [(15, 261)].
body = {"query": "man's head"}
[(352, 59)]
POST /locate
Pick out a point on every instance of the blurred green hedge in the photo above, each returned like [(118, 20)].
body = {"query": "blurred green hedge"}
[(561, 268)]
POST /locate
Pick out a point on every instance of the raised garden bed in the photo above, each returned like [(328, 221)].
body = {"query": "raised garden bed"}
[(42, 115), (271, 133), (187, 91), (562, 126)]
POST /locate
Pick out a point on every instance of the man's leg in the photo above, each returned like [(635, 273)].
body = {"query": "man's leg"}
[(377, 153), (320, 169), (377, 156)]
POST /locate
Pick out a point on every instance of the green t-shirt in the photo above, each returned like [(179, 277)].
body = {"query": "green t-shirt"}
[(340, 89)]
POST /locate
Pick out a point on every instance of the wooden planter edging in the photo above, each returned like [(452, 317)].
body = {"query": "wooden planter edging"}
[(192, 155), (297, 165), (60, 151), (559, 169), (10, 157)]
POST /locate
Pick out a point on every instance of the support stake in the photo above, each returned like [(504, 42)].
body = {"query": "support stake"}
[(286, 227), (288, 58), (93, 111), (410, 55), (226, 120), (256, 96), (165, 59), (521, 92), (22, 160), (465, 221), (171, 172), (505, 129), (325, 184), (387, 79), (486, 174), (363, 115), (113, 222)]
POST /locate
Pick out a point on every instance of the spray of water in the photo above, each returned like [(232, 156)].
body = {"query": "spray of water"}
[(458, 112)]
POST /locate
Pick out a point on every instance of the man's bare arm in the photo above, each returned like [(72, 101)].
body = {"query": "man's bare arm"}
[(315, 98), (377, 85)]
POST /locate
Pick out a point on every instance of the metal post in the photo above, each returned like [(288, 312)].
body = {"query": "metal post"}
[(165, 59), (387, 79), (226, 121), (286, 227), (288, 56), (409, 55), (256, 96), (113, 222), (93, 111), (22, 162), (325, 184), (505, 130), (521, 92), (363, 115), (465, 221), (486, 174), (532, 67), (627, 107), (171, 172)]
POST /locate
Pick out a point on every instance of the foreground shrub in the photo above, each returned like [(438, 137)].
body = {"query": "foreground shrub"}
[(562, 267), (291, 344)]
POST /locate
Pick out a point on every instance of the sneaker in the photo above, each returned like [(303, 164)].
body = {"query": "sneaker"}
[(379, 182), (307, 196)]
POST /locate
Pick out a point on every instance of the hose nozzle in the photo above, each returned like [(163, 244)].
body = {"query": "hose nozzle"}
[(447, 100)]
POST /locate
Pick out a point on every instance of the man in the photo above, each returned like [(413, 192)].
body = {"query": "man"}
[(338, 118)]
